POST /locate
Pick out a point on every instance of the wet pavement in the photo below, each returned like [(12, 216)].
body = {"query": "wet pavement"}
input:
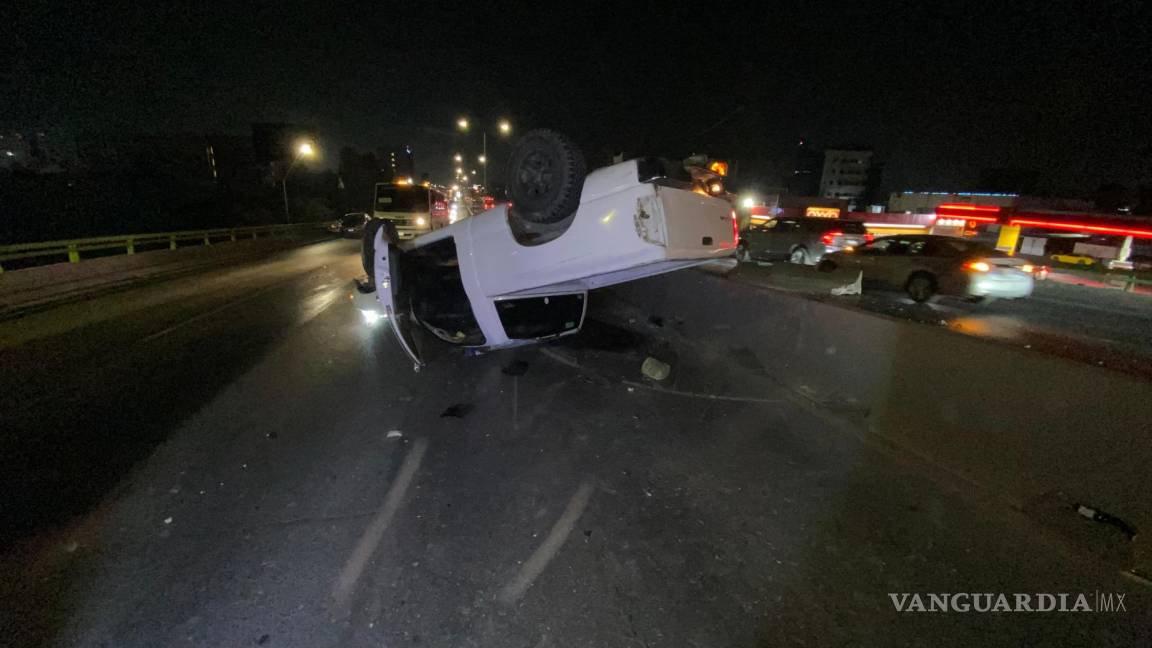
[(242, 461), (1100, 326)]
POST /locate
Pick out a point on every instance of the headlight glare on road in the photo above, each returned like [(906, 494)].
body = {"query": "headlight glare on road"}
[(371, 317)]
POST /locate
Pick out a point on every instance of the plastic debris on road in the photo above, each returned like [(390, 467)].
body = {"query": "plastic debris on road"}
[(655, 369), (394, 434), (853, 288)]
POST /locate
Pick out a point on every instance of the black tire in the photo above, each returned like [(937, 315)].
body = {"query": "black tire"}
[(545, 177), (826, 266), (921, 287)]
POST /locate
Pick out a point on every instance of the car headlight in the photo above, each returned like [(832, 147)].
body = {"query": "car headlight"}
[(420, 221)]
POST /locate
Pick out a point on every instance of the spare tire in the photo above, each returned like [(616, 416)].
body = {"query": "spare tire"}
[(545, 177)]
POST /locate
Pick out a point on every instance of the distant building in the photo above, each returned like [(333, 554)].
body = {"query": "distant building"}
[(397, 162), (806, 165), (37, 151), (847, 174)]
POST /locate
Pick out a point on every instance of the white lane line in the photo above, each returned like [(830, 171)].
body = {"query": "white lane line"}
[(346, 583), (196, 318), (559, 358), (547, 551), (677, 392)]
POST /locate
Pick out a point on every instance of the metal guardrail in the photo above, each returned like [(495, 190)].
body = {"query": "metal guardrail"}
[(129, 242)]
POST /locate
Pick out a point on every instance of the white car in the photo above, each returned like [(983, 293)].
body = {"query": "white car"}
[(518, 275), (925, 265)]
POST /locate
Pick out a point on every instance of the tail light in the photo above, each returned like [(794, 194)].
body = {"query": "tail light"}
[(830, 237), (977, 266), (869, 237), (735, 229)]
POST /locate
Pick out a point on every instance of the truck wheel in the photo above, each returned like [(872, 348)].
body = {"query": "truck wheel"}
[(545, 177)]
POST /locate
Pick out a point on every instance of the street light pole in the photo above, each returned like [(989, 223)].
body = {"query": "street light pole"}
[(305, 149), (284, 185)]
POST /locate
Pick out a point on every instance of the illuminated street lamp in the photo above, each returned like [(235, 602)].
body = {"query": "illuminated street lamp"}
[(304, 149), (503, 127), (459, 171), (458, 158)]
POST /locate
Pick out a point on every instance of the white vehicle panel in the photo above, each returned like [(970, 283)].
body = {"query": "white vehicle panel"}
[(623, 230)]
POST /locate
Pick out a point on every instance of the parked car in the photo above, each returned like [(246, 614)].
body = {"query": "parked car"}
[(521, 274), (924, 265), (351, 224), (800, 240), (1074, 259)]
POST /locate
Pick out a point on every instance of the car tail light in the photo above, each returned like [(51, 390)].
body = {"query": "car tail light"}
[(830, 237), (869, 237), (735, 229), (978, 266)]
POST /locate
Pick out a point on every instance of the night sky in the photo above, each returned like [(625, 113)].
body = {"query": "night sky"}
[(941, 91)]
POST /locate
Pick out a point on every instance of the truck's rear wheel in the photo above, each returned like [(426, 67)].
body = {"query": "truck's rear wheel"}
[(545, 177)]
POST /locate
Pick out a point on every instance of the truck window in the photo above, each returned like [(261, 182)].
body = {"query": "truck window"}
[(531, 318), (432, 275), (399, 198)]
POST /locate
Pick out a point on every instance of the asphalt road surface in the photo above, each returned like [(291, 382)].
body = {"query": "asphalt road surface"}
[(236, 459), (1099, 326)]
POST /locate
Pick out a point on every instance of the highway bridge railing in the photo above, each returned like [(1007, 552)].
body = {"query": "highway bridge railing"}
[(73, 250)]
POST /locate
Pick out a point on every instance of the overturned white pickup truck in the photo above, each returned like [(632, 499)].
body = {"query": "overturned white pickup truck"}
[(521, 274)]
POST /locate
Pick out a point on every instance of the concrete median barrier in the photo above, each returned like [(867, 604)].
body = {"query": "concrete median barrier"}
[(28, 290), (1042, 433)]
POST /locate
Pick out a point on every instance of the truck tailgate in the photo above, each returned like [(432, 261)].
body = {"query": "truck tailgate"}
[(688, 224)]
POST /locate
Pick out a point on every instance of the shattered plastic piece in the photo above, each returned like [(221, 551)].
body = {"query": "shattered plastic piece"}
[(167, 520), (394, 434), (1097, 515), (631, 389), (853, 288), (655, 369), (459, 410)]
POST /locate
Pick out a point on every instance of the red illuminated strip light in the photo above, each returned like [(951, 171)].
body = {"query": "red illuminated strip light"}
[(969, 212), (1084, 227)]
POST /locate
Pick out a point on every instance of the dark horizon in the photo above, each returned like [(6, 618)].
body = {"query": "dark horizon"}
[(941, 93)]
